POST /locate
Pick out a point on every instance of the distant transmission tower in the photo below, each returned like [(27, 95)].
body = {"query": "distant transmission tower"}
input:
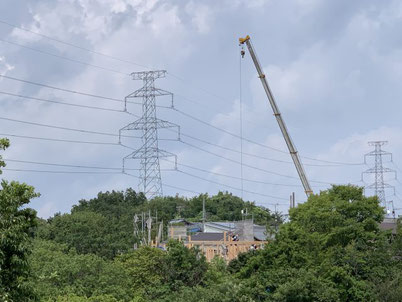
[(379, 185), (149, 153)]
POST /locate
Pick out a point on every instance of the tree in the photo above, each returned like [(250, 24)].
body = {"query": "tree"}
[(146, 270), (184, 266), (89, 232), (331, 250), (218, 285), (58, 271), (16, 229)]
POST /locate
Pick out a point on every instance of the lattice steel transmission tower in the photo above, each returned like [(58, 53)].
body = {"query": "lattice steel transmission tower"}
[(379, 185), (149, 153)]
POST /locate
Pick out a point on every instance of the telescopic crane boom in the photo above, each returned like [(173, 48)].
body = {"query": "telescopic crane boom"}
[(281, 122)]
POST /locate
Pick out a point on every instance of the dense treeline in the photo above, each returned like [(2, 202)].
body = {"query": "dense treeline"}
[(104, 225), (330, 249)]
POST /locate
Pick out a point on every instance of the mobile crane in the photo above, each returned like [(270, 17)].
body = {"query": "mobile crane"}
[(277, 114)]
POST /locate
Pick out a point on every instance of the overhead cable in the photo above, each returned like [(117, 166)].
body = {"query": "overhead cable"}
[(245, 165), (229, 186), (59, 140), (230, 176), (61, 89), (64, 58), (63, 165), (59, 172), (71, 44), (192, 117), (257, 143), (59, 102), (102, 54)]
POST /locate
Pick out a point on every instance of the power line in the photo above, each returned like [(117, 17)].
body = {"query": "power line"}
[(107, 56), (59, 102), (229, 186), (71, 44), (182, 134), (245, 165), (257, 143), (63, 128), (396, 166), (60, 140), (112, 168), (175, 76), (58, 172), (118, 173), (199, 88), (225, 131), (253, 155), (116, 144), (76, 130), (75, 92), (115, 110), (61, 89), (168, 185), (233, 177), (63, 165), (64, 58), (205, 107), (185, 135), (185, 114)]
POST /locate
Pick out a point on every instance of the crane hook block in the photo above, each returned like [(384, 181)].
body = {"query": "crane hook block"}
[(243, 40)]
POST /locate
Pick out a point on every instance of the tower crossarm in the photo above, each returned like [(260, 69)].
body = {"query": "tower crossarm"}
[(143, 153), (142, 124), (148, 92), (380, 169)]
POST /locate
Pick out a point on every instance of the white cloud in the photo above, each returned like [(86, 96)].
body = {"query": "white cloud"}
[(336, 76), (4, 66)]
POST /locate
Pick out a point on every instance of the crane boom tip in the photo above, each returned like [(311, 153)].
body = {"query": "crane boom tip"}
[(243, 40)]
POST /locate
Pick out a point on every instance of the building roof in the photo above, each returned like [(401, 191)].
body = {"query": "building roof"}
[(180, 220), (224, 225), (207, 237), (260, 233), (389, 224)]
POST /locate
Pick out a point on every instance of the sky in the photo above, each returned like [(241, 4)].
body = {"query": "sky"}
[(334, 67)]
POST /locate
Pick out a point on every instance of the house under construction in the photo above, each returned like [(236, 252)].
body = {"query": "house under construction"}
[(222, 239)]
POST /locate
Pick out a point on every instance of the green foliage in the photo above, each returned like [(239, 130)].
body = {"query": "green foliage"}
[(218, 285), (4, 144), (185, 266), (104, 225), (87, 232), (332, 250), (16, 224), (111, 204), (75, 298), (146, 270), (59, 270), (242, 259)]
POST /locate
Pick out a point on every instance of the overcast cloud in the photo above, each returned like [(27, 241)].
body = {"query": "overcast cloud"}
[(335, 68)]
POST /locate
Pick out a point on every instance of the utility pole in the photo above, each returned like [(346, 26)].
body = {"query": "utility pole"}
[(379, 185), (149, 153), (203, 214), (292, 200)]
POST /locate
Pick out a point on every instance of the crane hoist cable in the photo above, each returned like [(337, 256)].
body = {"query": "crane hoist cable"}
[(241, 123)]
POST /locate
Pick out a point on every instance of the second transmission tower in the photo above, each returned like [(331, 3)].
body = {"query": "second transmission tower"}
[(149, 153), (379, 185)]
